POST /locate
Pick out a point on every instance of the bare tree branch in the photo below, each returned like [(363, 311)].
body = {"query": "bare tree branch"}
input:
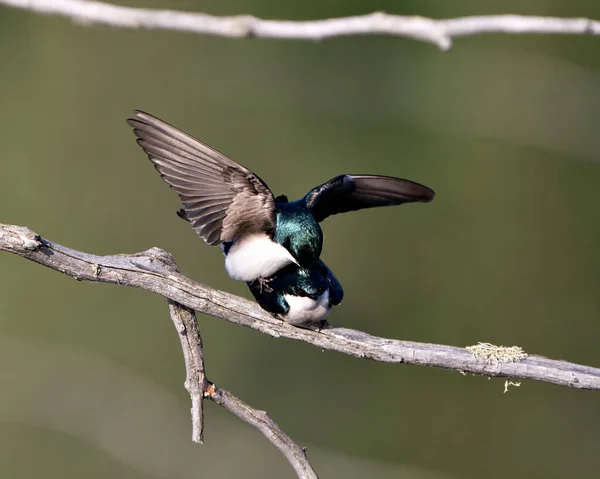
[(261, 421), (200, 387), (196, 383), (437, 32), (154, 270)]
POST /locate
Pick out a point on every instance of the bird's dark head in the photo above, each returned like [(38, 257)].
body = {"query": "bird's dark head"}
[(306, 247), (298, 231)]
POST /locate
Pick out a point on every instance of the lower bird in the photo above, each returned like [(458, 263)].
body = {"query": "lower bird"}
[(230, 206), (298, 296)]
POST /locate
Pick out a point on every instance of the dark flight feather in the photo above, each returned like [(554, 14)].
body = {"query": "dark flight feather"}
[(336, 292), (297, 281), (355, 192), (221, 199)]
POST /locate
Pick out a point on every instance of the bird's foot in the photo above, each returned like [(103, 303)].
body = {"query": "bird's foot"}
[(323, 325), (264, 285)]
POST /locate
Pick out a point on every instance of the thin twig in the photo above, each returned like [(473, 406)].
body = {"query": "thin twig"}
[(196, 383), (154, 270), (261, 421), (437, 32), (200, 387)]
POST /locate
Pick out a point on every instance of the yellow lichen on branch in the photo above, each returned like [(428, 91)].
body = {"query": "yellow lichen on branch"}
[(493, 354)]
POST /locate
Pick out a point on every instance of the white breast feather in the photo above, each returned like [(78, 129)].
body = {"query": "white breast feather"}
[(305, 310), (255, 256)]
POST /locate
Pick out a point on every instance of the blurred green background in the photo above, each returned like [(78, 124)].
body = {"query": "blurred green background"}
[(504, 128)]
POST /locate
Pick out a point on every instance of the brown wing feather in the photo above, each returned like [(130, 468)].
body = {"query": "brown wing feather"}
[(221, 199)]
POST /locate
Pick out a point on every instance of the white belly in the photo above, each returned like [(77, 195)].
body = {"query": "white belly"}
[(305, 310), (256, 256)]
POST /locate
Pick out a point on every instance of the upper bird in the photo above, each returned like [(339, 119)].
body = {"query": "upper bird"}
[(229, 205)]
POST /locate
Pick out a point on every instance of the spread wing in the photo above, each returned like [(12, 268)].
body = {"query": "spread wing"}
[(221, 199), (355, 192)]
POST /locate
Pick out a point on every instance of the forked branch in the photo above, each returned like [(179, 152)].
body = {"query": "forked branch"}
[(437, 32), (154, 270), (200, 387), (186, 325)]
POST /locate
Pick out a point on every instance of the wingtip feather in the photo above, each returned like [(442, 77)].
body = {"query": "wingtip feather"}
[(405, 190)]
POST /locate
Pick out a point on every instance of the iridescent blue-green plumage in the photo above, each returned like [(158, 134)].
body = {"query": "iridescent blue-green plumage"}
[(298, 231), (230, 206), (298, 295)]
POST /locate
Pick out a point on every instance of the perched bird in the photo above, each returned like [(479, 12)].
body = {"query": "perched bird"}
[(229, 205), (299, 296)]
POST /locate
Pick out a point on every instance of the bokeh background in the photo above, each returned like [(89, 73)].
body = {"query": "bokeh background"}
[(504, 128)]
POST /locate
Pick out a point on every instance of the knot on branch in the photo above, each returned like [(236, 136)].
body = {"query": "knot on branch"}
[(156, 260), (20, 238), (242, 26)]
